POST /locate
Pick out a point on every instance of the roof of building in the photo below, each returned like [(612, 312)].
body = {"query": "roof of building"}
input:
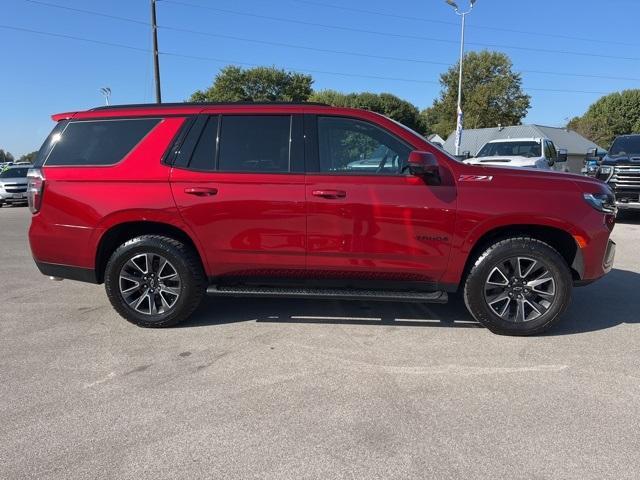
[(474, 139), (435, 138)]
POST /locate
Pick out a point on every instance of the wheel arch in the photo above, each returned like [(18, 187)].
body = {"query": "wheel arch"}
[(558, 238), (119, 233)]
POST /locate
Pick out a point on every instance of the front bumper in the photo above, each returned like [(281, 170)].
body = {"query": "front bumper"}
[(627, 205), (13, 197), (609, 256)]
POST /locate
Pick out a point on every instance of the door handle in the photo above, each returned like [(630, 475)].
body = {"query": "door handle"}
[(201, 191), (329, 193)]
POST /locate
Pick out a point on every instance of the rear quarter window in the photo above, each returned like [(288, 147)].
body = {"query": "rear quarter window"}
[(98, 142)]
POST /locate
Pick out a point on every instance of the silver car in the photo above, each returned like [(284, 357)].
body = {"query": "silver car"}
[(13, 185)]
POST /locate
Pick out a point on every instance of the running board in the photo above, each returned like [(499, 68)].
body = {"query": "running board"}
[(326, 293)]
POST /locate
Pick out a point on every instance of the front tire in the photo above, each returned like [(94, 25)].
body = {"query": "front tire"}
[(518, 286), (154, 281)]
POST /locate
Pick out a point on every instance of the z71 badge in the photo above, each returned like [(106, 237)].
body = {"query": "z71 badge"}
[(475, 178)]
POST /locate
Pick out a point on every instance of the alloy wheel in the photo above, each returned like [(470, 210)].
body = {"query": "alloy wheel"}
[(149, 284), (520, 289)]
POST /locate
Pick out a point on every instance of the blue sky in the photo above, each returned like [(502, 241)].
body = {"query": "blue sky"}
[(44, 75)]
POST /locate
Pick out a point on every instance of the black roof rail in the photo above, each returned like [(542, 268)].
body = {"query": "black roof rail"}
[(201, 104)]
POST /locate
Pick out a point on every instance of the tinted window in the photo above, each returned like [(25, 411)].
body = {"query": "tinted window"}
[(103, 142), (353, 146), (14, 173), (204, 156), (552, 153), (49, 143), (626, 146), (254, 143), (500, 149)]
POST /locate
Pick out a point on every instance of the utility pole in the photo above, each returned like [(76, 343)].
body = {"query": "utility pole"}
[(156, 59), (460, 114)]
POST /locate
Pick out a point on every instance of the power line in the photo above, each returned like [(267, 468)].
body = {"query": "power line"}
[(559, 90), (323, 50), (482, 27), (366, 55), (396, 35), (583, 75), (73, 37), (381, 14), (306, 70), (227, 61), (89, 12), (301, 47)]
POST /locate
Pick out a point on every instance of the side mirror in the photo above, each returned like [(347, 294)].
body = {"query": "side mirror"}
[(423, 164), (562, 155)]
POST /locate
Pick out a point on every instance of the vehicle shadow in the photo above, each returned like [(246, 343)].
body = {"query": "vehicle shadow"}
[(629, 218), (611, 301), (217, 311)]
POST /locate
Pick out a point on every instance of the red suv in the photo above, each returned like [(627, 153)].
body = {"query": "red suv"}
[(164, 203)]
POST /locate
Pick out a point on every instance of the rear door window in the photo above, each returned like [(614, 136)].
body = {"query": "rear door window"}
[(204, 155), (255, 143), (98, 142)]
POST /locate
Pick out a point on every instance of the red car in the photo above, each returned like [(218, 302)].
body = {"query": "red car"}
[(164, 203)]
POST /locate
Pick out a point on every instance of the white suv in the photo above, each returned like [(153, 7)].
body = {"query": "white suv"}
[(13, 185), (521, 152)]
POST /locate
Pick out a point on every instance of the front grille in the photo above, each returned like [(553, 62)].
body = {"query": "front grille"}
[(15, 189), (626, 178)]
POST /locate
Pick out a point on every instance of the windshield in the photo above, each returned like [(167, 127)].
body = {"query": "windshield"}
[(14, 173), (625, 146), (510, 149)]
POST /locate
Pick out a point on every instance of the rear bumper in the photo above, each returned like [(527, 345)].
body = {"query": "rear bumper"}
[(67, 271), (61, 244)]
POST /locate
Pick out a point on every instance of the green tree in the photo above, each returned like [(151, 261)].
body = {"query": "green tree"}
[(610, 116), (5, 156), (333, 98), (384, 103), (491, 94), (260, 84), (28, 157)]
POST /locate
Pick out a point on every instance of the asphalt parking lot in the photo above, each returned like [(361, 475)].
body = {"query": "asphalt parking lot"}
[(301, 389)]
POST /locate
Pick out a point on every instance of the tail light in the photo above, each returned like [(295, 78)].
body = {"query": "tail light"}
[(35, 189)]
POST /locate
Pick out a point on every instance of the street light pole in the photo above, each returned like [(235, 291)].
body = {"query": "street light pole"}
[(460, 115), (156, 60), (106, 92)]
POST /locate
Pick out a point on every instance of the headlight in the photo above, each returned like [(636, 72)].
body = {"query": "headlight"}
[(603, 202)]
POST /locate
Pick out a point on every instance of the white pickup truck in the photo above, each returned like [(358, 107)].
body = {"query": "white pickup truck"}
[(521, 152)]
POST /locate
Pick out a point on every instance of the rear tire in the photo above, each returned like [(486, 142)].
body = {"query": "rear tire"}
[(154, 281), (518, 286)]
